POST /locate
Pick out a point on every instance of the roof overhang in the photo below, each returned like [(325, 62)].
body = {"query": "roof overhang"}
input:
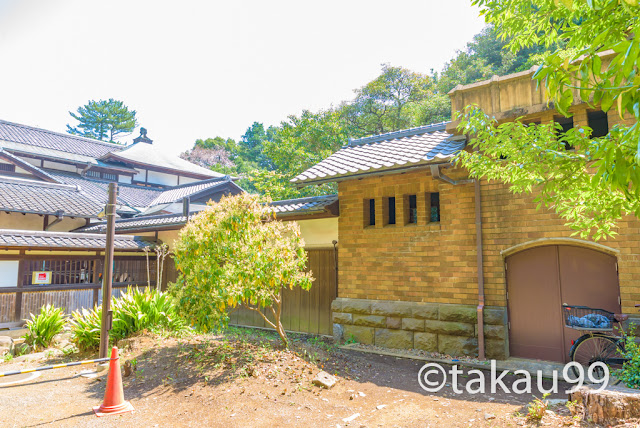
[(376, 172), (29, 239)]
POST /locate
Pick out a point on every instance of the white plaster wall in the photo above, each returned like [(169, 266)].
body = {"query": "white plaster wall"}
[(318, 233), (17, 221), (162, 178), (60, 166)]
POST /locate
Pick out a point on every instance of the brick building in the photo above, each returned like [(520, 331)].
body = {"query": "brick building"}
[(430, 259)]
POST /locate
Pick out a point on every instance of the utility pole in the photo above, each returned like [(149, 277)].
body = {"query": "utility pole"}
[(107, 277)]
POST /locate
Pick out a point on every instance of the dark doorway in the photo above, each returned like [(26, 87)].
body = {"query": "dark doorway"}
[(540, 280)]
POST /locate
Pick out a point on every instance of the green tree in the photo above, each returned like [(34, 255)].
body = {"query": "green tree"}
[(484, 57), (234, 253), (594, 48), (103, 120), (388, 102), (252, 145)]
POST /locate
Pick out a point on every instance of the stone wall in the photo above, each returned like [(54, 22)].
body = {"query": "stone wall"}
[(434, 327)]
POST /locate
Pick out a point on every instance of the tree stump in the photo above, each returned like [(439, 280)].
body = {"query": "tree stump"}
[(612, 406)]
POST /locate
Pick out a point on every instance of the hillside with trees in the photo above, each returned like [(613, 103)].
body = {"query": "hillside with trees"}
[(266, 159)]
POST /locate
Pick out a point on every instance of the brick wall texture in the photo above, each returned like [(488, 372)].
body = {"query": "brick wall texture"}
[(436, 262)]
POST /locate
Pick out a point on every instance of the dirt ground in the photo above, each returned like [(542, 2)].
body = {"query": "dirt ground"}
[(244, 378)]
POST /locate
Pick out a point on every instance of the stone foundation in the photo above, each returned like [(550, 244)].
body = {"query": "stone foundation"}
[(434, 327)]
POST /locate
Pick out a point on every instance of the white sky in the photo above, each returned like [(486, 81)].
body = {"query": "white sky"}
[(198, 69)]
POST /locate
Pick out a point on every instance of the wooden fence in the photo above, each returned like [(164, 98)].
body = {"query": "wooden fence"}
[(303, 311), (75, 284)]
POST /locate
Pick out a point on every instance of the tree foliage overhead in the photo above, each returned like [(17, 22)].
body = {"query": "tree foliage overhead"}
[(103, 120), (594, 50), (235, 253)]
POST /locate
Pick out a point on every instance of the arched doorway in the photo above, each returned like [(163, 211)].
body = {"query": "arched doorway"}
[(540, 280)]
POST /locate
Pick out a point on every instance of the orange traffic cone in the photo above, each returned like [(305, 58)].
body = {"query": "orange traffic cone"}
[(113, 403)]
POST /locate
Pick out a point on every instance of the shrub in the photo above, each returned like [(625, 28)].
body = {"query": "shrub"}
[(537, 408), (134, 311), (236, 253), (44, 326), (630, 371)]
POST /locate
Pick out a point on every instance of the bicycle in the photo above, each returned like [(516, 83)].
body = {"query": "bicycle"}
[(600, 343)]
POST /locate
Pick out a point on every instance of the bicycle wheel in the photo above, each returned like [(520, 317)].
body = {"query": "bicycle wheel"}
[(589, 349)]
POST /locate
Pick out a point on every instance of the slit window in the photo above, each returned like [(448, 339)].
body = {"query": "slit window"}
[(413, 209), (369, 212), (598, 122), (434, 213), (566, 123), (93, 174), (392, 210), (108, 176)]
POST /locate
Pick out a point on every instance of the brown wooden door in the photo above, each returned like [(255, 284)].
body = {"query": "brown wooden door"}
[(588, 278), (534, 304), (539, 280)]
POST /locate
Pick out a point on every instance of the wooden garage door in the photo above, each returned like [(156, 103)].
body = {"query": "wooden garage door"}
[(303, 311), (539, 281)]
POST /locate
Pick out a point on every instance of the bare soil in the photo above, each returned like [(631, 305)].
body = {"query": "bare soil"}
[(244, 378)]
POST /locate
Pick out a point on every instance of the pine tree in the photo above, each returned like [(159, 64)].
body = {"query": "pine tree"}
[(103, 120)]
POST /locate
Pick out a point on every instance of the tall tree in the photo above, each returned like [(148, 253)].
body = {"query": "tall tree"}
[(103, 120), (388, 102), (594, 52)]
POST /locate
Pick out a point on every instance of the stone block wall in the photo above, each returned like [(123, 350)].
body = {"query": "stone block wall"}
[(434, 327)]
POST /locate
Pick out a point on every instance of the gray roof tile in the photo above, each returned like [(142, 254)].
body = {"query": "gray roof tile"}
[(406, 148), (28, 196), (180, 192), (128, 194), (312, 205), (139, 223), (29, 238), (38, 137)]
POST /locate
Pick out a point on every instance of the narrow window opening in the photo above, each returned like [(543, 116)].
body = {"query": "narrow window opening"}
[(598, 122), (93, 174), (392, 210), (566, 123), (108, 176), (435, 208), (8, 167), (372, 212), (413, 209)]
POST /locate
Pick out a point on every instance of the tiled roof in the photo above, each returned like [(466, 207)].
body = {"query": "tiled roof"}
[(311, 205), (28, 196), (128, 194), (139, 223), (88, 241), (68, 143), (147, 154), (394, 150), (27, 166), (180, 192)]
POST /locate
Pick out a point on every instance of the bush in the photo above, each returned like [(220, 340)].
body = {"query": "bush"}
[(44, 326), (134, 311), (630, 371), (236, 253)]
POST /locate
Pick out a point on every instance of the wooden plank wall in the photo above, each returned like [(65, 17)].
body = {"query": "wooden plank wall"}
[(72, 272), (303, 311)]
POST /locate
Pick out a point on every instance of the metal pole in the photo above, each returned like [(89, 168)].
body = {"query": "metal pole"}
[(107, 278)]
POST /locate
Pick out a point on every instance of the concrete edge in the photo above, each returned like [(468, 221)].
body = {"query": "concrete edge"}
[(499, 366)]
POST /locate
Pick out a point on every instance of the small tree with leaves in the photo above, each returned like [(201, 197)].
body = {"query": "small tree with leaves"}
[(236, 253), (103, 120)]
